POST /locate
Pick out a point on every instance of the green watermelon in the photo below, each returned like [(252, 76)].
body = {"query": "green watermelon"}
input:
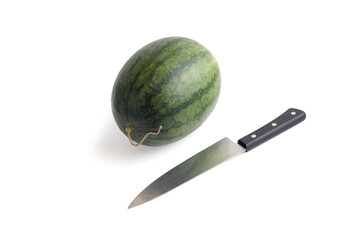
[(173, 83)]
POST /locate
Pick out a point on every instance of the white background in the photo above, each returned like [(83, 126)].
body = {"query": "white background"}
[(67, 172)]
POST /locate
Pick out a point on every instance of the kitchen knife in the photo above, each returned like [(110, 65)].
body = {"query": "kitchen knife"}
[(217, 153)]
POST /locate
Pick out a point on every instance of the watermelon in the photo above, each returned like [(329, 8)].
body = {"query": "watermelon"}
[(168, 89)]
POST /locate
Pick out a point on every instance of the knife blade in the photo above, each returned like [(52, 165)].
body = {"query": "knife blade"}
[(216, 154)]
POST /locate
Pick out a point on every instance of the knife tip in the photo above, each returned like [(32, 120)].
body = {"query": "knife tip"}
[(131, 206), (136, 202)]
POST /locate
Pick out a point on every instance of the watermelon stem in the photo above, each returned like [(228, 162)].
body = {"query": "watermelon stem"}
[(130, 128)]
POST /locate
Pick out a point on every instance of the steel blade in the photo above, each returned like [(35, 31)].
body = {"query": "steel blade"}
[(194, 166)]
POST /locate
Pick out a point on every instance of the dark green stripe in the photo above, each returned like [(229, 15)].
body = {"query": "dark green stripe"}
[(181, 69), (197, 116), (198, 96), (139, 55), (158, 60), (131, 81), (154, 53), (178, 72)]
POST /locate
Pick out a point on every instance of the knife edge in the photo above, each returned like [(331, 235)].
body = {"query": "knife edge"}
[(190, 168)]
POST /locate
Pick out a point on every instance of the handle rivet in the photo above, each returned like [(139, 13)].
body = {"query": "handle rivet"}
[(253, 136), (293, 113), (274, 124)]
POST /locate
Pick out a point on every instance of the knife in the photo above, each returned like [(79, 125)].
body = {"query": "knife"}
[(217, 153)]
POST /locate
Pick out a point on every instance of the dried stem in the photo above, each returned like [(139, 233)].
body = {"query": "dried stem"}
[(129, 129)]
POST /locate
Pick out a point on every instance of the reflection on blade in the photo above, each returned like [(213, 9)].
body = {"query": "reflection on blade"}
[(197, 164)]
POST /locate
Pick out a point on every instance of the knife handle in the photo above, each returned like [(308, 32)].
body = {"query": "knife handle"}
[(282, 123)]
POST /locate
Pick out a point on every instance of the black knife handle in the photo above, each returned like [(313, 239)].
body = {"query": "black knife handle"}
[(282, 123)]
